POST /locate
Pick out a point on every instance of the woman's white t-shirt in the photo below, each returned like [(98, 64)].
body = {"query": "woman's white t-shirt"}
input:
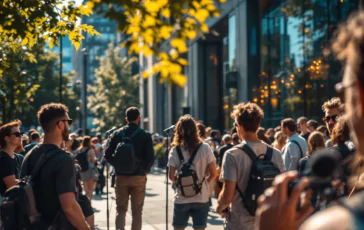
[(203, 157)]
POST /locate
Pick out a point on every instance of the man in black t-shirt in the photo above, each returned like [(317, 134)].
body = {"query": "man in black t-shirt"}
[(10, 162), (55, 184), (302, 127), (34, 139)]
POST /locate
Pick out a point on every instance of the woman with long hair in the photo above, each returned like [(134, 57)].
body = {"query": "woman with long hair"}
[(315, 142), (187, 143), (263, 136), (87, 155)]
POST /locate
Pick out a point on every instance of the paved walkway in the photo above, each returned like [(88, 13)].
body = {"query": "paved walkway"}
[(154, 212)]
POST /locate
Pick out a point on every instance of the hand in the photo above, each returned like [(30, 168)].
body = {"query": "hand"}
[(277, 211), (222, 212)]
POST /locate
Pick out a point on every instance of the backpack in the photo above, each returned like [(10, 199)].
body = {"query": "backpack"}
[(18, 209), (187, 180), (124, 158), (82, 159), (262, 174)]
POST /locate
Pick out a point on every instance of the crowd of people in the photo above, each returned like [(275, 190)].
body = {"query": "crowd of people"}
[(262, 178)]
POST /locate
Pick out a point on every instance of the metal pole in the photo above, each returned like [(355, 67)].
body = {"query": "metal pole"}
[(84, 91), (167, 181), (60, 69)]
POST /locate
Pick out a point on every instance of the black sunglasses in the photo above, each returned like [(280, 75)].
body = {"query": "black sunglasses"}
[(69, 121), (328, 118), (17, 134)]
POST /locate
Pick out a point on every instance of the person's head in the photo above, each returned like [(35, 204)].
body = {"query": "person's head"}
[(302, 124), (201, 129), (208, 132), (186, 134), (35, 137), (86, 142), (10, 135), (315, 142), (247, 117), (75, 144), (312, 125), (236, 139), (94, 141), (280, 138), (68, 144), (323, 130), (132, 115), (277, 129), (215, 134), (288, 127), (54, 119), (262, 136), (30, 131), (227, 139), (340, 133), (333, 108), (270, 132)]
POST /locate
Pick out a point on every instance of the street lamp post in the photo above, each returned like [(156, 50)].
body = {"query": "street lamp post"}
[(60, 69), (84, 91)]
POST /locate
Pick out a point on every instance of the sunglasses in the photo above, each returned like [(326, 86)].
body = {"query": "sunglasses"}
[(17, 134), (69, 121), (328, 118)]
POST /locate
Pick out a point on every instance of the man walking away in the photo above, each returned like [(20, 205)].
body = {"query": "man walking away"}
[(302, 124), (333, 109), (55, 184), (34, 140), (296, 147), (237, 164), (132, 183)]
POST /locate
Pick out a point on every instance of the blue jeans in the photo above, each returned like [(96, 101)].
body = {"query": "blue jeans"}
[(198, 212)]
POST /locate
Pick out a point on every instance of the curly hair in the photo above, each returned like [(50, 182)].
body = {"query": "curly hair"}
[(187, 134), (332, 104), (249, 115), (49, 112), (340, 133)]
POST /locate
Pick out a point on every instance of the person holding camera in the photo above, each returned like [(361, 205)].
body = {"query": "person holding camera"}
[(276, 209)]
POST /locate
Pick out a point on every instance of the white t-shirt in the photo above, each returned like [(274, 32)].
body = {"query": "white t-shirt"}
[(236, 167), (292, 153), (203, 157)]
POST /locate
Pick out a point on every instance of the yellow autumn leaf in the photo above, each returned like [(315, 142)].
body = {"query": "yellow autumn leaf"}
[(165, 32), (149, 21), (151, 6), (24, 42), (182, 61), (191, 34), (177, 42), (175, 68), (76, 44), (202, 15), (51, 43), (163, 56), (222, 1), (204, 28), (164, 72), (179, 79), (173, 53), (166, 13)]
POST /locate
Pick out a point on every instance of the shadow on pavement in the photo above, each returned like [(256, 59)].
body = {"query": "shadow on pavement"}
[(98, 197), (158, 171), (151, 194)]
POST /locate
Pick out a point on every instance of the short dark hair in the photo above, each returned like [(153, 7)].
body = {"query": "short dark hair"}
[(50, 112), (323, 129), (290, 124), (302, 119), (248, 115), (5, 131), (35, 135), (235, 137), (312, 123), (214, 132), (31, 131), (132, 113)]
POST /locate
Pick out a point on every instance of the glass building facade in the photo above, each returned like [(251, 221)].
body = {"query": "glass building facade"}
[(293, 71)]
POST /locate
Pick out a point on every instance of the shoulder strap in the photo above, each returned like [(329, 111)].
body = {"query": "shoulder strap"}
[(42, 160), (180, 155), (269, 153), (194, 154), (299, 146), (246, 149)]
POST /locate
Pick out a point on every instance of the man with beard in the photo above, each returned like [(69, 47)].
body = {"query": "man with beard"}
[(333, 108), (55, 184), (10, 162)]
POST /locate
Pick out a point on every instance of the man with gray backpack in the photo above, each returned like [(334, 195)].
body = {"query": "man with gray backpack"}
[(130, 151), (247, 170)]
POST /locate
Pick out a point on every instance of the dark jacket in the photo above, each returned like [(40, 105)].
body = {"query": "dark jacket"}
[(222, 151), (143, 146)]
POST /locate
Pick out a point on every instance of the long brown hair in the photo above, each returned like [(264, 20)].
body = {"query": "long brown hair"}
[(186, 134), (86, 142), (315, 141)]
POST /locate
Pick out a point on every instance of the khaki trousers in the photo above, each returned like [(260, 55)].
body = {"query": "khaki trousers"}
[(133, 186)]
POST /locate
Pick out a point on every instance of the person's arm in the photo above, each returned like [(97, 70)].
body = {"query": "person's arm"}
[(148, 152), (212, 173), (292, 152), (92, 155), (172, 173), (111, 146), (72, 211), (226, 196), (10, 181)]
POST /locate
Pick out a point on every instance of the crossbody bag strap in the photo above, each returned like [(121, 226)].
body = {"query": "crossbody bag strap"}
[(42, 160), (299, 146), (246, 149)]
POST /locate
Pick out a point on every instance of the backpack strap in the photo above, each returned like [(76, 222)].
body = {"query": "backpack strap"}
[(42, 160), (269, 153), (246, 149), (194, 154), (299, 146), (180, 155)]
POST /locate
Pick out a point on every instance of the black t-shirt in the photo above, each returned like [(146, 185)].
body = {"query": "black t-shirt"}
[(9, 166), (222, 151), (305, 135), (57, 176)]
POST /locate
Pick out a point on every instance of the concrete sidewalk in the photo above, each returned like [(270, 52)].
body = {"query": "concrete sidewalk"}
[(154, 211)]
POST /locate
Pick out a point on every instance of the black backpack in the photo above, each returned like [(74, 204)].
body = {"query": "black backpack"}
[(187, 180), (82, 159), (262, 174), (124, 158), (18, 209)]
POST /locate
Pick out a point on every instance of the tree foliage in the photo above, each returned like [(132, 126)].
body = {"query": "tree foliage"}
[(21, 94), (114, 90), (162, 28), (23, 23)]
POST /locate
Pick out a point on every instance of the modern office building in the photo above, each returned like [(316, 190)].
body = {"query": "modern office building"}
[(275, 53)]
